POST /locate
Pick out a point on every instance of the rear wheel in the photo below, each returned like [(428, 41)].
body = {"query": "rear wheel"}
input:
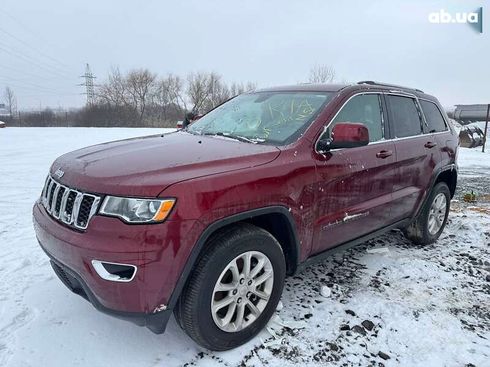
[(432, 219), (234, 289)]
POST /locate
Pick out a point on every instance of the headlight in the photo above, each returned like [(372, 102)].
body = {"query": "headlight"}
[(137, 210)]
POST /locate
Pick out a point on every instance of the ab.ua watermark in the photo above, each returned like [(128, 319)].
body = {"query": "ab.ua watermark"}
[(473, 19)]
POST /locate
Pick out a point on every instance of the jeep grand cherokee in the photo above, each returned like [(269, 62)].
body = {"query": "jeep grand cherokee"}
[(207, 221)]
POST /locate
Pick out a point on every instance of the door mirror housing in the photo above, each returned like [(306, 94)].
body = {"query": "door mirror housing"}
[(189, 118), (345, 135)]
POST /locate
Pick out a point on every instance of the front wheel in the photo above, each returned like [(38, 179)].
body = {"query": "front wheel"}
[(432, 219), (234, 289)]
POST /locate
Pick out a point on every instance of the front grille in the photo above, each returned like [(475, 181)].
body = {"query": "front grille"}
[(67, 205)]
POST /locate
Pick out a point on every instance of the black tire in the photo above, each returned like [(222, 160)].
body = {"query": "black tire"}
[(193, 310), (418, 232)]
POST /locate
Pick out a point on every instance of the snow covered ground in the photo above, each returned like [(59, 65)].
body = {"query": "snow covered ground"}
[(388, 302)]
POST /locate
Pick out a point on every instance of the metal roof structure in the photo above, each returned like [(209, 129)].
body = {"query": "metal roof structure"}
[(468, 113)]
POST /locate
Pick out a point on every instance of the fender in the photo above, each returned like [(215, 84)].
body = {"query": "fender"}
[(433, 180), (213, 227)]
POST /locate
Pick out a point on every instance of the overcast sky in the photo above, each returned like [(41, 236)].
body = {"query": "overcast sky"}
[(44, 45)]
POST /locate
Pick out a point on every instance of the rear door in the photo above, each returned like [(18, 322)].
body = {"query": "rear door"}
[(416, 154), (354, 187), (439, 130)]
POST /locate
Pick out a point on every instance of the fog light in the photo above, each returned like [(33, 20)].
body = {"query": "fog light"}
[(114, 272)]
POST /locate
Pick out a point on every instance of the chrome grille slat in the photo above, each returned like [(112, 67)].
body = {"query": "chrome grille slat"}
[(46, 193), (50, 195), (58, 199), (64, 204), (53, 199), (95, 206), (76, 208), (45, 188), (61, 215)]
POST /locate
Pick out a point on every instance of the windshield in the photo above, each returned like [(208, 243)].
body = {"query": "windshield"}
[(270, 117)]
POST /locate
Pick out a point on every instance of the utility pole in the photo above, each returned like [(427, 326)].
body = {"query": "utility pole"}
[(486, 128), (89, 85)]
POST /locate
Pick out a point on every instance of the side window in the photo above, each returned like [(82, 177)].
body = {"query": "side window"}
[(366, 109), (405, 116), (435, 121)]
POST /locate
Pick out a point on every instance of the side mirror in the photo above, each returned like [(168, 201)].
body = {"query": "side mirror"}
[(189, 118), (345, 135)]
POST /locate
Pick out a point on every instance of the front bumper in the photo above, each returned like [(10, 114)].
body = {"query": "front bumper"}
[(156, 322), (159, 251)]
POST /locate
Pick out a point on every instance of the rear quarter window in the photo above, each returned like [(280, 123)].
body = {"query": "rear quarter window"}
[(405, 116), (433, 116)]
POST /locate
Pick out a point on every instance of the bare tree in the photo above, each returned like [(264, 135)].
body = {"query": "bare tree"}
[(169, 95), (198, 90), (321, 74), (239, 88), (11, 101), (133, 91), (218, 93), (140, 97), (175, 90), (114, 91), (208, 90), (140, 86)]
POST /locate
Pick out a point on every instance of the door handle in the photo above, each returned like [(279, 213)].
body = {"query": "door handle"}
[(430, 144), (384, 154)]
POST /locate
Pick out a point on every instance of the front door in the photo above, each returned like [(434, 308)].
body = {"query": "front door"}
[(355, 185)]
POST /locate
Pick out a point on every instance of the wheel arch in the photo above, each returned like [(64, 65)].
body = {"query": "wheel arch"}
[(447, 174), (275, 219), (450, 177)]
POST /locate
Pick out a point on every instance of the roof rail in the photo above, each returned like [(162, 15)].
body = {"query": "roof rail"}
[(370, 82)]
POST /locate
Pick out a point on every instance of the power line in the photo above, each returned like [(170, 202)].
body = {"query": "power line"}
[(26, 28), (19, 89), (33, 48), (48, 94), (25, 73), (28, 84), (31, 60)]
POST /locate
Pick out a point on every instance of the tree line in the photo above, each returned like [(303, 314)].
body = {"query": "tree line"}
[(143, 98), (140, 97)]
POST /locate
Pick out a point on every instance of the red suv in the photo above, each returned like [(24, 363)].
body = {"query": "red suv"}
[(206, 222)]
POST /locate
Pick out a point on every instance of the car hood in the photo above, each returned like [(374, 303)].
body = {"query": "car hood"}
[(148, 165)]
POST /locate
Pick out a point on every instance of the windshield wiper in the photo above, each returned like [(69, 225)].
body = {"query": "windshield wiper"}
[(235, 137), (189, 131)]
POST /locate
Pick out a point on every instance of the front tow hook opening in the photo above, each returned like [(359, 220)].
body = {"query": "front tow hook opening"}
[(114, 272)]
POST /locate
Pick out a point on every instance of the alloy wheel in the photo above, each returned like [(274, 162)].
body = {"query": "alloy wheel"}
[(437, 213), (242, 291)]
